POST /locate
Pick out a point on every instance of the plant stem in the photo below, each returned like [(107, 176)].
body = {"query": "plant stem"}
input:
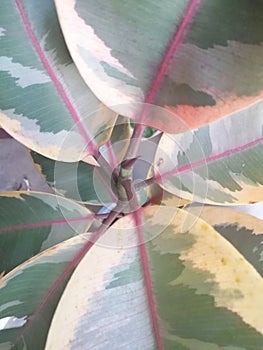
[(129, 197), (134, 142), (125, 185), (106, 166), (109, 173), (126, 182)]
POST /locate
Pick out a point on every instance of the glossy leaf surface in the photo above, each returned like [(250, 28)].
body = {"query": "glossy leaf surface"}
[(44, 102), (27, 296), (244, 231), (201, 60), (82, 181), (219, 163), (190, 290), (32, 222)]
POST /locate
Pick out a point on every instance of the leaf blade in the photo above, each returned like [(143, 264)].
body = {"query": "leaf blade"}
[(188, 57), (34, 67), (213, 164), (242, 230), (190, 297), (84, 182), (41, 221), (43, 269)]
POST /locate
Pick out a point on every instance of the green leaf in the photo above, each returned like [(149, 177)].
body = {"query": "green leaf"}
[(200, 60), (44, 103), (79, 180), (219, 163), (157, 195), (244, 231), (171, 291), (82, 181), (31, 222), (114, 150), (27, 293)]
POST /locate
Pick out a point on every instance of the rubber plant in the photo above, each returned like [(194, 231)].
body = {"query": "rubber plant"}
[(116, 256)]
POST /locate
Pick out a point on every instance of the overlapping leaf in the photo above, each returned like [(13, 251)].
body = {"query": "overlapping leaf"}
[(27, 303), (244, 231), (82, 181), (219, 163), (201, 60), (44, 103), (32, 222), (181, 290)]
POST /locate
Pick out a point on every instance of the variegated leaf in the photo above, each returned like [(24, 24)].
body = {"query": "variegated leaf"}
[(190, 290), (219, 163), (32, 222), (114, 150), (199, 59), (157, 195), (82, 181), (79, 180), (29, 297), (44, 102), (244, 231)]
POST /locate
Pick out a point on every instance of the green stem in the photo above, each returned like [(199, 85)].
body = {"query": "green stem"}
[(132, 151)]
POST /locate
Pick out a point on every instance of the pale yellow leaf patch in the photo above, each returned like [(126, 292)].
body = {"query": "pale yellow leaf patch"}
[(80, 41), (48, 144), (229, 216), (213, 254), (234, 283)]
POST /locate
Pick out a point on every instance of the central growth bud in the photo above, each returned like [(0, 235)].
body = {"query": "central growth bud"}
[(125, 186)]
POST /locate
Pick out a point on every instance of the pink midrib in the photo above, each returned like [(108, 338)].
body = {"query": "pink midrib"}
[(156, 84), (208, 160), (58, 282), (90, 146), (137, 216), (177, 38), (191, 10), (46, 223)]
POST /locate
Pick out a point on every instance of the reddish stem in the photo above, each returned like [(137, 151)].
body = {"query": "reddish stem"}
[(134, 142)]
